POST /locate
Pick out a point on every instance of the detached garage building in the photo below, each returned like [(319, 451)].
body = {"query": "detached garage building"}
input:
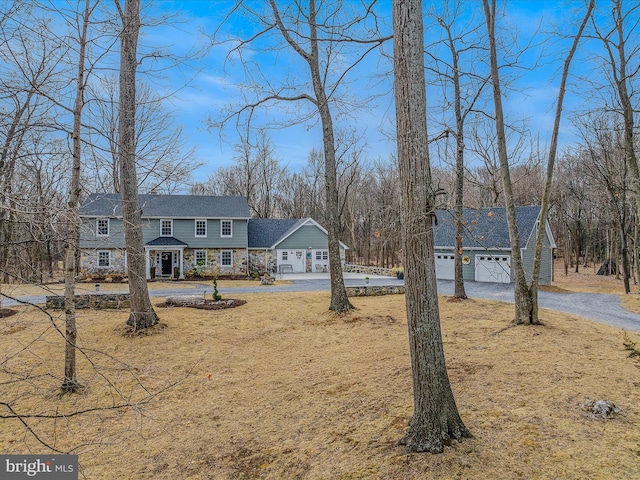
[(486, 252)]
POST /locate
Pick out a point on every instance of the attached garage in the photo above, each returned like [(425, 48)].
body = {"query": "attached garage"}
[(493, 268), (445, 266)]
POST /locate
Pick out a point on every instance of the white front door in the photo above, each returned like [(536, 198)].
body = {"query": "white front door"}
[(493, 268), (293, 258), (445, 266)]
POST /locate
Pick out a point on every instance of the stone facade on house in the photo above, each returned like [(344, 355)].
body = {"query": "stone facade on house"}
[(199, 235)]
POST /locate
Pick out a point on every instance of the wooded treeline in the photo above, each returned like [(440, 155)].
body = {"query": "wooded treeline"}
[(593, 209), (591, 198)]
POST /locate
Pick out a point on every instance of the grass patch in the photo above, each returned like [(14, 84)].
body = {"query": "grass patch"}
[(631, 302), (281, 388), (553, 289), (587, 280)]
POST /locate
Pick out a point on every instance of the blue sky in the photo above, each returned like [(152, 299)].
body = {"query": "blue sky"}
[(217, 78)]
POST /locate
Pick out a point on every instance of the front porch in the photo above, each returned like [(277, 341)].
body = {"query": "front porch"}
[(164, 258)]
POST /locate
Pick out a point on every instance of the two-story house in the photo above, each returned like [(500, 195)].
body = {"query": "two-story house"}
[(198, 234), (182, 233)]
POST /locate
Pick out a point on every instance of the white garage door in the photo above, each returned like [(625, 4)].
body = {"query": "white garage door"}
[(445, 266), (493, 268)]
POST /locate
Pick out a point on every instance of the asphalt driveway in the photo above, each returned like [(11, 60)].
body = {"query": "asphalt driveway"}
[(593, 306)]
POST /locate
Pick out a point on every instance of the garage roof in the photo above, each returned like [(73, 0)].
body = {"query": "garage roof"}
[(485, 228)]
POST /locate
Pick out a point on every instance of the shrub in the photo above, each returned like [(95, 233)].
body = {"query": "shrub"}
[(216, 296)]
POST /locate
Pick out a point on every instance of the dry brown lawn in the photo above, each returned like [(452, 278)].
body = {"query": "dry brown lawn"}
[(280, 388), (587, 281)]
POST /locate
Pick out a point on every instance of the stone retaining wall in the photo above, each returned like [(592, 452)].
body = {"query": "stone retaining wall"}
[(96, 301), (368, 270), (374, 290), (181, 300)]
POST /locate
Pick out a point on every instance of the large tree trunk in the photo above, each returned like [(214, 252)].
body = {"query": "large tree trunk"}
[(142, 314), (459, 291), (435, 419)]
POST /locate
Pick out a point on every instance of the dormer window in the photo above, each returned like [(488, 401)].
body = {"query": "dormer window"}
[(226, 228), (166, 228), (102, 227)]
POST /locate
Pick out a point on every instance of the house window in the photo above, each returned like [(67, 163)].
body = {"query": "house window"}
[(166, 228), (322, 254), (201, 228), (201, 258), (104, 258), (285, 255), (226, 228), (226, 258), (102, 227)]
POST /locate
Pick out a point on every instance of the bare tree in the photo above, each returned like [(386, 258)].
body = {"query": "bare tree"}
[(142, 314), (603, 162), (255, 174), (320, 34), (621, 52), (162, 163), (542, 221), (435, 419), (467, 88), (526, 298), (70, 383), (29, 66)]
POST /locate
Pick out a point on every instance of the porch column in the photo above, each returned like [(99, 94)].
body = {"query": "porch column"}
[(181, 264)]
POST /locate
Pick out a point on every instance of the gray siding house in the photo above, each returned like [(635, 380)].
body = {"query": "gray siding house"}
[(187, 235), (486, 249), (296, 246)]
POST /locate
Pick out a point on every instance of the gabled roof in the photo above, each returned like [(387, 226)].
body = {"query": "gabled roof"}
[(166, 242), (268, 233), (168, 206), (486, 227)]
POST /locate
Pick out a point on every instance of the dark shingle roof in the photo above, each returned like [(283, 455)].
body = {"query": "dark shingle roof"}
[(265, 232), (485, 227), (166, 242), (168, 206)]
